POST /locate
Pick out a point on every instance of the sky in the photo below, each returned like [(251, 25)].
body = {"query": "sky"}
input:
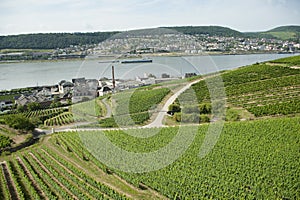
[(43, 16)]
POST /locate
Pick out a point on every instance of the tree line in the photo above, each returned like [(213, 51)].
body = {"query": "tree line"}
[(52, 40)]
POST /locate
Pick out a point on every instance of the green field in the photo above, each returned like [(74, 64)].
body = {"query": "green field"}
[(281, 35)]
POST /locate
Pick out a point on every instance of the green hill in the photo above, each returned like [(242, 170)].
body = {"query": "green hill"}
[(51, 40), (282, 32), (210, 30), (62, 40)]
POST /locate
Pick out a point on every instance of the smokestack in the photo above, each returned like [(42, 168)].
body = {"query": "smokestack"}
[(113, 76)]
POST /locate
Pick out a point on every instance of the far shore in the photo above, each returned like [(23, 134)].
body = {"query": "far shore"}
[(108, 57)]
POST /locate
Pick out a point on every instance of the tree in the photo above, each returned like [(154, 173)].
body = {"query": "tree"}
[(20, 122), (174, 108), (33, 106)]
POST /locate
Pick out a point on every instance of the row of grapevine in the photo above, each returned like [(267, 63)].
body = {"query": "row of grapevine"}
[(62, 176), (294, 60), (31, 192), (62, 119), (281, 108), (256, 72), (45, 112), (74, 144), (136, 105), (71, 175), (88, 108), (4, 193), (90, 184), (37, 178), (13, 185), (48, 178)]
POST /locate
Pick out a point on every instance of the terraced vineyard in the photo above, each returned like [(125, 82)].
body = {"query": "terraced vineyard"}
[(45, 113), (262, 89), (43, 174), (255, 159), (135, 107)]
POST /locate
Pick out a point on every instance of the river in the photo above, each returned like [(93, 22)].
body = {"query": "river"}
[(26, 74)]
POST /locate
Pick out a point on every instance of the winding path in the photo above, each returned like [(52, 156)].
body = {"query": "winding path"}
[(157, 122), (108, 108)]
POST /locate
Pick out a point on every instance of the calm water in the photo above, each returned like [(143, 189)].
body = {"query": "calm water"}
[(18, 75)]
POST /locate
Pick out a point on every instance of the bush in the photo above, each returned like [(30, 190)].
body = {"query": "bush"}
[(205, 108), (204, 118), (19, 122), (232, 115), (4, 141), (108, 122), (177, 117), (174, 108), (33, 106)]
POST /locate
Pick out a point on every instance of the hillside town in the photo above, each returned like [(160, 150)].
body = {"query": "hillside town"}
[(189, 44), (160, 44)]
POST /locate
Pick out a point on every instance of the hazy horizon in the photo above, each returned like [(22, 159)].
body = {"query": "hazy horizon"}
[(66, 16), (142, 28)]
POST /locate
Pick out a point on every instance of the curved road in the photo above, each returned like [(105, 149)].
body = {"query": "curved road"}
[(157, 122)]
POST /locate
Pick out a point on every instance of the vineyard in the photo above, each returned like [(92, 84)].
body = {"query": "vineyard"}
[(135, 107), (251, 160), (257, 159), (295, 60), (43, 174), (262, 89), (79, 112)]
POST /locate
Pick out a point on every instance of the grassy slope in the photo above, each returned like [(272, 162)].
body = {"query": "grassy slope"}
[(263, 89)]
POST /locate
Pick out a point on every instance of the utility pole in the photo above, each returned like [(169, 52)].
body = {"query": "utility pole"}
[(113, 77)]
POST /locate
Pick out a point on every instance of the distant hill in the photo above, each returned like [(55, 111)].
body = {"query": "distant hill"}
[(282, 32), (51, 40), (210, 30), (62, 40)]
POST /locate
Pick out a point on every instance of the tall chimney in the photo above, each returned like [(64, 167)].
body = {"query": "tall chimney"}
[(113, 76)]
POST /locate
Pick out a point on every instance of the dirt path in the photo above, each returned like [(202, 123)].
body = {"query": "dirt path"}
[(158, 121), (108, 108), (10, 184)]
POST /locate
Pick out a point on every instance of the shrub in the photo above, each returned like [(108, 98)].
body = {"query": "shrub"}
[(19, 122), (177, 117), (174, 108), (232, 115), (204, 118), (205, 108)]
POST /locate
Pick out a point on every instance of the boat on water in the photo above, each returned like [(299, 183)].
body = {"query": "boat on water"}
[(109, 61), (136, 61)]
